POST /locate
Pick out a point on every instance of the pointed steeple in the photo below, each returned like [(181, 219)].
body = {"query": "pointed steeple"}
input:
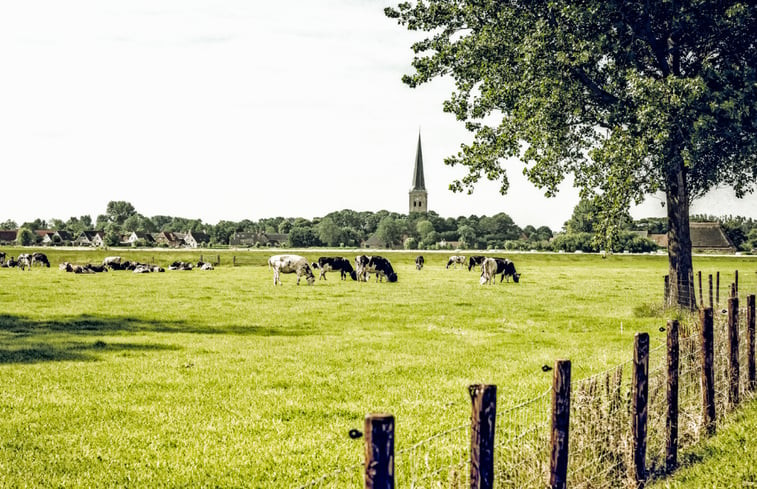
[(418, 194), (419, 183)]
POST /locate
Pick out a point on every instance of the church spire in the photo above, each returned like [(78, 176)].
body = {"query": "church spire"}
[(419, 183), (418, 194)]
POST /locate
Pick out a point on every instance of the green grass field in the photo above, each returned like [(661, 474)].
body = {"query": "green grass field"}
[(220, 379)]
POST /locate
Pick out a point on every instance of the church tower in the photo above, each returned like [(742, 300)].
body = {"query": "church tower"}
[(418, 194)]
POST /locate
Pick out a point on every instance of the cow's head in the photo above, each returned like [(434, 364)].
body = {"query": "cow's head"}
[(516, 278), (353, 275), (391, 277)]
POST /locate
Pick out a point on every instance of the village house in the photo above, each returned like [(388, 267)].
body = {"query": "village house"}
[(258, 239), (195, 239), (8, 236), (705, 237), (169, 239), (90, 238), (136, 238)]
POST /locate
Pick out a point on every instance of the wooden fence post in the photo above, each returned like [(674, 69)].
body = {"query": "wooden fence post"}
[(667, 290), (234, 261), (717, 289), (691, 300), (218, 259), (379, 451), (201, 258), (701, 296), (733, 357), (483, 417), (751, 380), (708, 373), (671, 423), (736, 283), (711, 304), (639, 397), (558, 467)]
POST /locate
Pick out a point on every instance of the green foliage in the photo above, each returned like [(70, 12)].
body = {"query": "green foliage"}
[(25, 237), (117, 211), (410, 243), (8, 225), (329, 232)]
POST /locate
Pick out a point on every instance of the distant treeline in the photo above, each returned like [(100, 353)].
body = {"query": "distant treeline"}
[(348, 228)]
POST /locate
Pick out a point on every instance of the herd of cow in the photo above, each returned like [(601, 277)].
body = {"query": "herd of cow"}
[(380, 266), (364, 266), (27, 260)]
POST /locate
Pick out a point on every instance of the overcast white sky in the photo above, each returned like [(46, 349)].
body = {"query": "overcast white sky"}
[(230, 110)]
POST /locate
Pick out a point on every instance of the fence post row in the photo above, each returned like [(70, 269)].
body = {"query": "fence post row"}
[(733, 357), (639, 397), (671, 422), (379, 451), (708, 373), (483, 417), (717, 289), (752, 381), (558, 467)]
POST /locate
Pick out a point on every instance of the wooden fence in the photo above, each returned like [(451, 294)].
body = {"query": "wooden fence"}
[(613, 435)]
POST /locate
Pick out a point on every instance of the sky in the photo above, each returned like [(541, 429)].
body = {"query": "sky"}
[(240, 109)]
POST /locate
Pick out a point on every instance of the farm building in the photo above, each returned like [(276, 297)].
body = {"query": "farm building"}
[(705, 236), (139, 237), (8, 236), (168, 238)]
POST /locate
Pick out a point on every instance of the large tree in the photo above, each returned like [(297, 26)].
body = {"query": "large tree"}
[(630, 97)]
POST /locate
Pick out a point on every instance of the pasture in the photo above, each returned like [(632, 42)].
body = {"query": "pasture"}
[(220, 379)]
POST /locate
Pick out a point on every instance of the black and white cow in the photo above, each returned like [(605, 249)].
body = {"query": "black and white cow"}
[(24, 260), (180, 265), (40, 258), (375, 264), (506, 269), (456, 260), (475, 261), (290, 264), (419, 262), (329, 263)]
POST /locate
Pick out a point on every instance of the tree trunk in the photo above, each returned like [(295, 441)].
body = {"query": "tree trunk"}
[(679, 237)]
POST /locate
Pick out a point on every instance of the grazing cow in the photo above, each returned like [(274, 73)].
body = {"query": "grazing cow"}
[(113, 262), (290, 264), (25, 260), (378, 265), (419, 261), (2, 257), (456, 260), (488, 271), (475, 261), (361, 262), (40, 258), (329, 263), (507, 269)]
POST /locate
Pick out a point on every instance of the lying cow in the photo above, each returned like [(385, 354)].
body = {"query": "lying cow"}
[(290, 264), (180, 265), (456, 260), (375, 264), (475, 261), (329, 263), (419, 261), (10, 263), (203, 265)]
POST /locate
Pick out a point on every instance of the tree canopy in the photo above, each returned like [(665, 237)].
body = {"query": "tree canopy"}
[(629, 97)]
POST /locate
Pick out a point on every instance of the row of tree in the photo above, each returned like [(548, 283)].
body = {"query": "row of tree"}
[(427, 231)]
